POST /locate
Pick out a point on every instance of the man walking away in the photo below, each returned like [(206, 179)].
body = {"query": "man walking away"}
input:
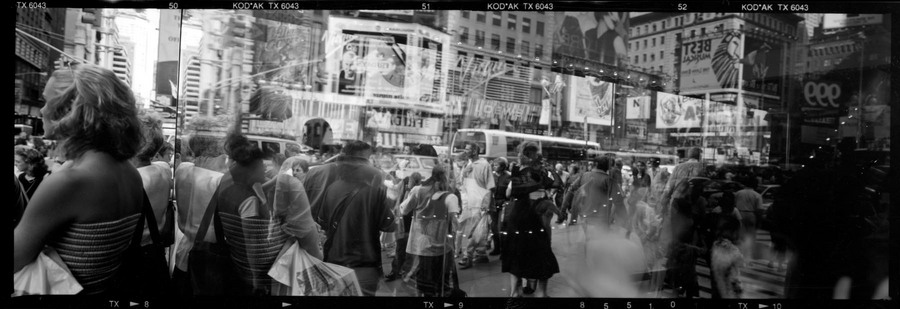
[(348, 199)]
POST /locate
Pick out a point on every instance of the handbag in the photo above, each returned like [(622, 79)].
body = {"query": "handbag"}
[(210, 269), (145, 271)]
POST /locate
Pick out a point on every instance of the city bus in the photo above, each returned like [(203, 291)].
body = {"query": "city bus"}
[(629, 157), (496, 143)]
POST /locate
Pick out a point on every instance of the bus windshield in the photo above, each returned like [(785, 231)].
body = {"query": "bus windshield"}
[(459, 142)]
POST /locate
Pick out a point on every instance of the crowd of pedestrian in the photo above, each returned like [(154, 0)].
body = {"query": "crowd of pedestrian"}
[(128, 212)]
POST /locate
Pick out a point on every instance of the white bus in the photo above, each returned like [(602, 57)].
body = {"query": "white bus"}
[(631, 157), (496, 143)]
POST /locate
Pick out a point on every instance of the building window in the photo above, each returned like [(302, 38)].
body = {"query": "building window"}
[(638, 30), (654, 27), (702, 31), (664, 25), (645, 57), (645, 43), (540, 28), (464, 35), (654, 42), (495, 41), (652, 57), (661, 54), (510, 45), (662, 40), (637, 59), (693, 33), (479, 17), (646, 28), (511, 22), (526, 48), (526, 25), (538, 50), (497, 19), (479, 38), (660, 69), (465, 14)]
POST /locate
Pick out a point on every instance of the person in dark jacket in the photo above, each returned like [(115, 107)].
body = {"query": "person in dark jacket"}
[(501, 172), (356, 244)]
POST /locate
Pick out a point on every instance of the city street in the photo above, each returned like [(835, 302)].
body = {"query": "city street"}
[(486, 280)]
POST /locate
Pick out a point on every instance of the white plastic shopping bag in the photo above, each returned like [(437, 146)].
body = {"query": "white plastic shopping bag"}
[(47, 275), (297, 273)]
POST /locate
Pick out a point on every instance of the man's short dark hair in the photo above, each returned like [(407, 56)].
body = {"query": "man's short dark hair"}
[(356, 148), (695, 153), (475, 148), (602, 162)]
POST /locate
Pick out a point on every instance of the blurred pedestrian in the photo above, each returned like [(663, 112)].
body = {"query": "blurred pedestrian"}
[(245, 214), (726, 260), (196, 181), (499, 201), (686, 215), (527, 253), (658, 179), (750, 204), (401, 264), (33, 167), (87, 210), (434, 219), (477, 181), (349, 200)]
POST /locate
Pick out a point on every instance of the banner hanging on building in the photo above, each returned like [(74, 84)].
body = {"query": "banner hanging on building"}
[(388, 64), (638, 107), (710, 62), (762, 66), (168, 52), (591, 97), (597, 36), (280, 50), (675, 111)]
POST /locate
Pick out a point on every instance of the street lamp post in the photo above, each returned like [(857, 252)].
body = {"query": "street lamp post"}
[(862, 57)]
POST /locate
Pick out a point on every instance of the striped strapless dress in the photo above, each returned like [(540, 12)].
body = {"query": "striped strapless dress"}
[(255, 244), (93, 252)]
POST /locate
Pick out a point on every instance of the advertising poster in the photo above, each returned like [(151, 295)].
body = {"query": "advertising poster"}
[(675, 111), (388, 64), (710, 63), (596, 36), (762, 66), (373, 65), (168, 52), (636, 128), (637, 107), (280, 50), (591, 97), (421, 74)]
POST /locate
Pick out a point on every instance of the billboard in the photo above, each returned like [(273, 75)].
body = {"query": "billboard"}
[(280, 51), (637, 107), (389, 64), (710, 62), (676, 112), (595, 36), (168, 52), (762, 66), (592, 98), (832, 21)]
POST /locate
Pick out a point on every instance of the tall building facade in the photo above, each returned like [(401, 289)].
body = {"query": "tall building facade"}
[(35, 57), (498, 60)]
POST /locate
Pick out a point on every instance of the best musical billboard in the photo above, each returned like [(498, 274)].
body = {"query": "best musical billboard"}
[(710, 62)]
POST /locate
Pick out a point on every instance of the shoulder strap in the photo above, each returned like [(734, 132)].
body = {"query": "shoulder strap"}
[(147, 212), (338, 214), (207, 216)]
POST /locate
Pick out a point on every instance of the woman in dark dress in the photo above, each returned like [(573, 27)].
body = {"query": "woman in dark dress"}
[(526, 251)]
